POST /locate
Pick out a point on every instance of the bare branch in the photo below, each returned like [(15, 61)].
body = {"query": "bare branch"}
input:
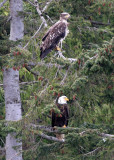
[(45, 128), (49, 19), (93, 152), (46, 6), (43, 91), (31, 3), (2, 3), (49, 65), (51, 138), (62, 82), (24, 83), (99, 23), (61, 129), (40, 14), (68, 59), (93, 56), (107, 135), (34, 35)]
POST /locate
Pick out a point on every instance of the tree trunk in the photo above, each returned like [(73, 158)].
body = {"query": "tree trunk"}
[(16, 25), (11, 85), (13, 112)]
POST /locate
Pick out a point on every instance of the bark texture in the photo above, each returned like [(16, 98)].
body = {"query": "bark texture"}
[(11, 84), (16, 25), (12, 95), (13, 112)]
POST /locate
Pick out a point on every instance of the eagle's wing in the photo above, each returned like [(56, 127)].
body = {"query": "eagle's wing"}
[(53, 119), (66, 115), (43, 39), (52, 38)]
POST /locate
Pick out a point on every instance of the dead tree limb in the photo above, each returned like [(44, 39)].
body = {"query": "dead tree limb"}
[(40, 13)]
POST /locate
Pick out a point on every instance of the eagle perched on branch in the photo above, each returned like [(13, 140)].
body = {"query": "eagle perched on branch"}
[(54, 35), (61, 120)]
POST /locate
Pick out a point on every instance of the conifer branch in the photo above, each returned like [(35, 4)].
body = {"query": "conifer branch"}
[(26, 83), (99, 23), (2, 3), (107, 135), (67, 129), (63, 57), (51, 138), (93, 152), (49, 65)]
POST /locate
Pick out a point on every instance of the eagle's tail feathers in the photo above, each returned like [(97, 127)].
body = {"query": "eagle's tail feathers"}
[(43, 54), (60, 136)]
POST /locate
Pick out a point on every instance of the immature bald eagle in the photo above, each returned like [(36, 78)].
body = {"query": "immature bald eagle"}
[(54, 35), (61, 120)]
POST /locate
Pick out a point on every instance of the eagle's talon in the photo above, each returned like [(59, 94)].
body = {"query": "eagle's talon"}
[(58, 48), (64, 126)]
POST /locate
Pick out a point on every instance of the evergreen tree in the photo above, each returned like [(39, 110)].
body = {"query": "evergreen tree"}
[(85, 75)]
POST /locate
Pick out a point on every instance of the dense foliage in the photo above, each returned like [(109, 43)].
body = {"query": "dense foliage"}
[(87, 82)]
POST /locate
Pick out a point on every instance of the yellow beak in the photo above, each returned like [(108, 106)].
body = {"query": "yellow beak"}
[(66, 99), (67, 16)]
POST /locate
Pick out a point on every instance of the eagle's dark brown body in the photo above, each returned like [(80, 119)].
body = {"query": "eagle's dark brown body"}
[(61, 119)]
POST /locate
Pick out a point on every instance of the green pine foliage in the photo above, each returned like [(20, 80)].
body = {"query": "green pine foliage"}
[(87, 82)]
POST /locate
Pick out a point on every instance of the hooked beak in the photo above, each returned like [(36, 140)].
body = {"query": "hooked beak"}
[(66, 99), (67, 16)]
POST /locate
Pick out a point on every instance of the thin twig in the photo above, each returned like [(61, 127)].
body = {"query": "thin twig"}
[(28, 83), (31, 3), (2, 3), (43, 91), (63, 57), (46, 6), (34, 35), (40, 13), (92, 152), (42, 63), (51, 138), (24, 83), (62, 82)]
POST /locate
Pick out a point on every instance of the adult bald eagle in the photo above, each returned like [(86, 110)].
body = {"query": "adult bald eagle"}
[(54, 35), (61, 120)]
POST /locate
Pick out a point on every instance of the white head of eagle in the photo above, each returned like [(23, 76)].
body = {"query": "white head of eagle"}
[(61, 119), (54, 35), (63, 100)]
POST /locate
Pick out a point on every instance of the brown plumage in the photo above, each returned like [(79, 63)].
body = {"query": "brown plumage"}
[(61, 119), (55, 34)]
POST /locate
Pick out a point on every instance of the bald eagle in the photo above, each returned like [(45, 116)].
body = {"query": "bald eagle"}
[(54, 35), (61, 120)]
